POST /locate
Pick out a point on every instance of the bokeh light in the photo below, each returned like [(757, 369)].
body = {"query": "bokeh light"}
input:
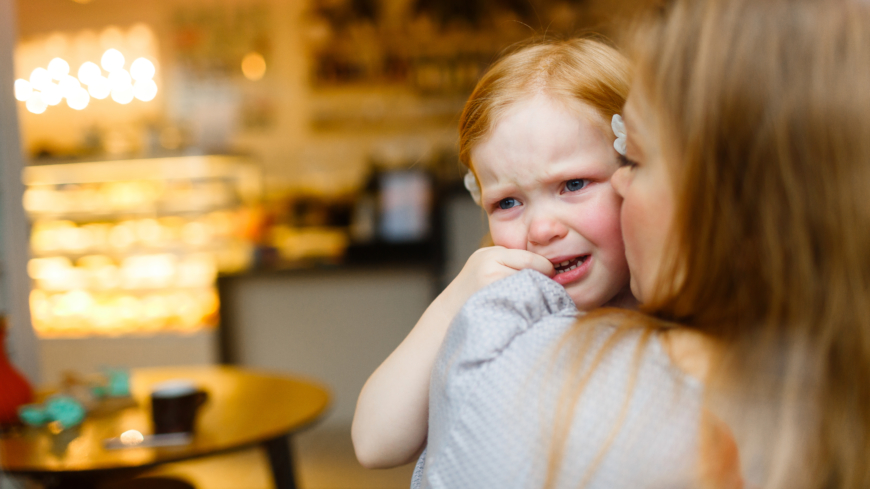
[(142, 69), (58, 68), (40, 78), (145, 90), (22, 90), (123, 95), (51, 94), (112, 60), (119, 79), (253, 66), (88, 72), (79, 99), (99, 88), (98, 79), (69, 85), (35, 104)]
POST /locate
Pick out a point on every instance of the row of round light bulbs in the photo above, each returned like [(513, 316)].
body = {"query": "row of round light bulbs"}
[(40, 91)]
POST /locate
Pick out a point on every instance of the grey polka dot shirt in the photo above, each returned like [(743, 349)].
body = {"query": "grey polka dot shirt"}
[(499, 379)]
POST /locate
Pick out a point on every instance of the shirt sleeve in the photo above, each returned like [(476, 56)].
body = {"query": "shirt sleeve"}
[(488, 354), (496, 315)]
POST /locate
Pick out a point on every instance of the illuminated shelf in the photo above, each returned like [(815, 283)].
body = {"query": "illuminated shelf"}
[(135, 246)]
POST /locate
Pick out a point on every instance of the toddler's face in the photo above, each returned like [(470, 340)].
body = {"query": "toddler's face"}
[(544, 174)]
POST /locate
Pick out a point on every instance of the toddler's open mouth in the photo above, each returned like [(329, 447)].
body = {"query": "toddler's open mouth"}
[(568, 265)]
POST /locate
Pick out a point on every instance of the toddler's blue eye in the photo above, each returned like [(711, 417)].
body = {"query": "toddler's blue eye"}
[(507, 203), (575, 185)]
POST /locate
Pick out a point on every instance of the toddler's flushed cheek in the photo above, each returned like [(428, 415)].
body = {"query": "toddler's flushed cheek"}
[(507, 237), (609, 277)]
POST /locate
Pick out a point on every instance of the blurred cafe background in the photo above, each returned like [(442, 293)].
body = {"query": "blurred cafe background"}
[(272, 184)]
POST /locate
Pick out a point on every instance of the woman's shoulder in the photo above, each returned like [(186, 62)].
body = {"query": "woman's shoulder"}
[(692, 352)]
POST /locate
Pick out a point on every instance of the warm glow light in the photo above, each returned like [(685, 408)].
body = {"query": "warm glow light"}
[(58, 68), (45, 268), (89, 72), (142, 69), (145, 90), (111, 37), (56, 44), (79, 99), (123, 95), (69, 86), (51, 94), (119, 79), (86, 43), (253, 66), (140, 36), (22, 90), (99, 88), (121, 236), (39, 78), (112, 60)]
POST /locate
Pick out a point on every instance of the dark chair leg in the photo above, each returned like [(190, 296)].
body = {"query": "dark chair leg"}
[(281, 460)]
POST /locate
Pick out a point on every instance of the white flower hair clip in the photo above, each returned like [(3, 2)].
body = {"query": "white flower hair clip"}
[(618, 127), (472, 186)]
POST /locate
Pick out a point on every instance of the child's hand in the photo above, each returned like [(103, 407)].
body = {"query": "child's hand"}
[(491, 264)]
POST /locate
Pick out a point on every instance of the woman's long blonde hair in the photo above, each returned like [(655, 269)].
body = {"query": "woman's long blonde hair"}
[(763, 108), (577, 70)]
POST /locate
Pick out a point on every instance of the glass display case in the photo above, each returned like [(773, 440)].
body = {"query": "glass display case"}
[(135, 246)]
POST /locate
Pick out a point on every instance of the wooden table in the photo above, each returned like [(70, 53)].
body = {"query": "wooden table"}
[(245, 408)]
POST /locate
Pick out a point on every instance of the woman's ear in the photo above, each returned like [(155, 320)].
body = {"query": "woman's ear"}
[(619, 180)]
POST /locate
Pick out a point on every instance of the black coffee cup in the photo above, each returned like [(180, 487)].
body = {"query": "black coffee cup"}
[(174, 404)]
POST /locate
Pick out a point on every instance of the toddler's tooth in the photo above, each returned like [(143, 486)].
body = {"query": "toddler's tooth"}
[(564, 263)]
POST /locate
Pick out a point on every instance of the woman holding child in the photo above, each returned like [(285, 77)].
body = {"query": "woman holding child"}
[(746, 228)]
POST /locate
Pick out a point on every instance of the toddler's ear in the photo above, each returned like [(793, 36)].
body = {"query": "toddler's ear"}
[(486, 241)]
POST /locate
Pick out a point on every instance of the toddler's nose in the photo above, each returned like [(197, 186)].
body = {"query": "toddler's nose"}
[(545, 229)]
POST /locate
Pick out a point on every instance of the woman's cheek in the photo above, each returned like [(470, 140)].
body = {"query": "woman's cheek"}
[(631, 219)]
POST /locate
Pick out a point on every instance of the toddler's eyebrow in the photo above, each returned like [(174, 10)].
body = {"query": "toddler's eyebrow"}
[(498, 190)]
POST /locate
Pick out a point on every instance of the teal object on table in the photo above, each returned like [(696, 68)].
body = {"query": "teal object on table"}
[(99, 390), (33, 414), (119, 382), (65, 410)]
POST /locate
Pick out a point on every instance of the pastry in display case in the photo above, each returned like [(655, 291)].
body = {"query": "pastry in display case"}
[(135, 246)]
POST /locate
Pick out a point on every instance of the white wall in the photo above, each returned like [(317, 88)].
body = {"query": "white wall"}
[(87, 355), (335, 326)]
